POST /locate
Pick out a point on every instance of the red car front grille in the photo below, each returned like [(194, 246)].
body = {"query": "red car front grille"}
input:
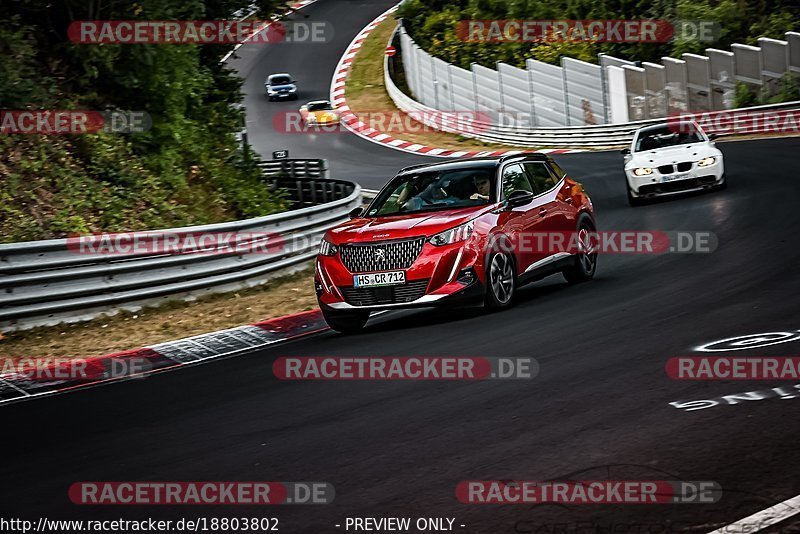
[(385, 256)]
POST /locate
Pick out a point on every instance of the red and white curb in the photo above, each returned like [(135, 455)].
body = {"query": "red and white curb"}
[(293, 7), (351, 121), (25, 384)]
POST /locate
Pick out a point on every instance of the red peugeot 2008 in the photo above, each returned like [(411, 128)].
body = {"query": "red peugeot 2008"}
[(459, 232)]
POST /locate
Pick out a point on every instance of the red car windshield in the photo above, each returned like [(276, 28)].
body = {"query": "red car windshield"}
[(435, 190)]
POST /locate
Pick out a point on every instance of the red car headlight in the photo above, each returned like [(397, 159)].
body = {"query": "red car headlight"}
[(326, 248), (454, 235)]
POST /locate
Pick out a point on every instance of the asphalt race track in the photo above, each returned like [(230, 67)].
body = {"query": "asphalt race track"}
[(312, 65), (599, 408)]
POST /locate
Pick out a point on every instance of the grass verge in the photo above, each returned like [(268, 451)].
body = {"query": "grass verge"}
[(124, 331)]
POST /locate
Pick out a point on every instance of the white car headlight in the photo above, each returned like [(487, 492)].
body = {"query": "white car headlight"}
[(326, 248), (292, 89), (642, 171), (705, 162), (454, 235)]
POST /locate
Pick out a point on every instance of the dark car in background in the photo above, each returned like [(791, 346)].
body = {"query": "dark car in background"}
[(281, 86)]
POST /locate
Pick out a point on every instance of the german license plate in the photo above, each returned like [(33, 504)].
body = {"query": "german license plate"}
[(681, 176), (389, 278)]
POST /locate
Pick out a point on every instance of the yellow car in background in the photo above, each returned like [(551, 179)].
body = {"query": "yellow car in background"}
[(319, 112)]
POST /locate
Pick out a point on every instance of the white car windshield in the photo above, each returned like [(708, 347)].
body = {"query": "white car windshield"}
[(280, 80), (665, 136)]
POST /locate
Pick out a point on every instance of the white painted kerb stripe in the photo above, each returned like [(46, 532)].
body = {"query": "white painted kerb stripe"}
[(763, 519)]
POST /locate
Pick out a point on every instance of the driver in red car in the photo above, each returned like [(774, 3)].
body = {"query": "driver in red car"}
[(483, 186)]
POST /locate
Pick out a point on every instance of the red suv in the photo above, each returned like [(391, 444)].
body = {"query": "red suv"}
[(459, 232)]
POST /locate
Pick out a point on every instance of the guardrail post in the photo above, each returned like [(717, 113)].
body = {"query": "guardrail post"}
[(500, 88), (418, 63), (531, 96), (774, 63), (475, 93), (450, 89), (566, 93)]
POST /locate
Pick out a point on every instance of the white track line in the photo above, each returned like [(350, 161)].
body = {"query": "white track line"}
[(763, 519)]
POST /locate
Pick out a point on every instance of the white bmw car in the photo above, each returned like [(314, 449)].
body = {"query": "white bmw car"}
[(665, 160)]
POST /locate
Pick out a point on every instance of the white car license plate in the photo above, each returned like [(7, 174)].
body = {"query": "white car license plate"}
[(681, 176), (389, 278)]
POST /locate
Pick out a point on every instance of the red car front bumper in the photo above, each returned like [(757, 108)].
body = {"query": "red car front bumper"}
[(449, 274)]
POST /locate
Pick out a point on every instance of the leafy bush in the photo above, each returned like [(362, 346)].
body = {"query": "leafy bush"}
[(187, 169), (744, 97), (788, 91), (432, 24)]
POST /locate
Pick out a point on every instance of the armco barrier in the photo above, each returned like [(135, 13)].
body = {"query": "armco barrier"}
[(295, 168), (49, 282), (580, 105), (577, 93), (600, 136)]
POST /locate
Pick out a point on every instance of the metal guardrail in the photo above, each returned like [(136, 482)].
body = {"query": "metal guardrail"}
[(590, 136), (50, 282), (295, 168), (601, 136)]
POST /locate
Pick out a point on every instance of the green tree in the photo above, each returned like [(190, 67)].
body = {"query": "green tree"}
[(187, 169), (432, 25)]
